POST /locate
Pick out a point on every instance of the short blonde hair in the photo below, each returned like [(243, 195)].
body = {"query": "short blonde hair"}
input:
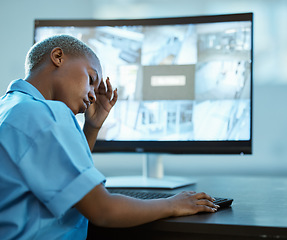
[(70, 45)]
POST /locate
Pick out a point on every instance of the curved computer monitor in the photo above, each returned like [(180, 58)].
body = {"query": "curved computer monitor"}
[(184, 84)]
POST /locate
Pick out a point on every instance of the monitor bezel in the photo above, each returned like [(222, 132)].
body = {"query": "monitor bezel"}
[(176, 147)]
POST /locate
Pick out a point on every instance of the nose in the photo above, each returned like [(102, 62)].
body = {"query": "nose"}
[(92, 95)]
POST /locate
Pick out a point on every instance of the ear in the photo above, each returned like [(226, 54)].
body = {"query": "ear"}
[(57, 56)]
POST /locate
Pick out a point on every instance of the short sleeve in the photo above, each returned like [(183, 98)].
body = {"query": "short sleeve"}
[(58, 167)]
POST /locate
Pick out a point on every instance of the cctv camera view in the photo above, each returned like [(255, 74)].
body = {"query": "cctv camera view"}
[(175, 82)]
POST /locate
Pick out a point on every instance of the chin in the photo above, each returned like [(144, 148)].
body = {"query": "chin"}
[(81, 110), (75, 111)]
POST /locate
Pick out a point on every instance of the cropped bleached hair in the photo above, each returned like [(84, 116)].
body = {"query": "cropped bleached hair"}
[(70, 46)]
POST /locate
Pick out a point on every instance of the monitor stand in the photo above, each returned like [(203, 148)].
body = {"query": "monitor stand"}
[(153, 177)]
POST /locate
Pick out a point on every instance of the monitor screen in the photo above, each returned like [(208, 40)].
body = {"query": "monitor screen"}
[(184, 84)]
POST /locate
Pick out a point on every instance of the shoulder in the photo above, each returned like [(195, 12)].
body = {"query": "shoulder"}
[(34, 115)]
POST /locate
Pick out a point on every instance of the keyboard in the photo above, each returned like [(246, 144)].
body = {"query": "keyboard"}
[(145, 194)]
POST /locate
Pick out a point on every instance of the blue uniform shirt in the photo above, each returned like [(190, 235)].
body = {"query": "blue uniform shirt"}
[(45, 167)]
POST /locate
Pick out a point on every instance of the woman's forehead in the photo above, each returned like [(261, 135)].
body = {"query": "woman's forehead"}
[(95, 65)]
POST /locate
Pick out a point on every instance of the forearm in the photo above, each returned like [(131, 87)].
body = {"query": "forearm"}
[(91, 135), (108, 210), (104, 209), (129, 212)]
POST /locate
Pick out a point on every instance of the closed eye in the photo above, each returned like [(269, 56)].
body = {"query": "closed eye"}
[(91, 80)]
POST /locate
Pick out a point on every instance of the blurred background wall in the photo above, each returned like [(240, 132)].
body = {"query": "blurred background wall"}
[(270, 73)]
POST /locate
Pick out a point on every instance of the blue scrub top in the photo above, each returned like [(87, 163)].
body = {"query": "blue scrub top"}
[(45, 167)]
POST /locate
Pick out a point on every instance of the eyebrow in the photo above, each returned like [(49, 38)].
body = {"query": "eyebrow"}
[(98, 75), (95, 72)]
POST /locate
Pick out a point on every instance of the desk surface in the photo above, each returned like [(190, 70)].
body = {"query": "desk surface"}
[(259, 210)]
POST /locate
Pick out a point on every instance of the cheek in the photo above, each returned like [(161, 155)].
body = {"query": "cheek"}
[(76, 81), (79, 84)]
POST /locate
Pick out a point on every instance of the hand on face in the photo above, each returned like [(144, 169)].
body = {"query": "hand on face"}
[(106, 98)]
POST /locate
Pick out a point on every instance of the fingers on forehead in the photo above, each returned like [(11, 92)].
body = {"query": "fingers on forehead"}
[(102, 84), (109, 85)]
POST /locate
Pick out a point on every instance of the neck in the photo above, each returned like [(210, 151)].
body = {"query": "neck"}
[(42, 83)]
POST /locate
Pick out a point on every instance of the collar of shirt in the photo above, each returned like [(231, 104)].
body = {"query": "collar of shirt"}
[(23, 86)]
